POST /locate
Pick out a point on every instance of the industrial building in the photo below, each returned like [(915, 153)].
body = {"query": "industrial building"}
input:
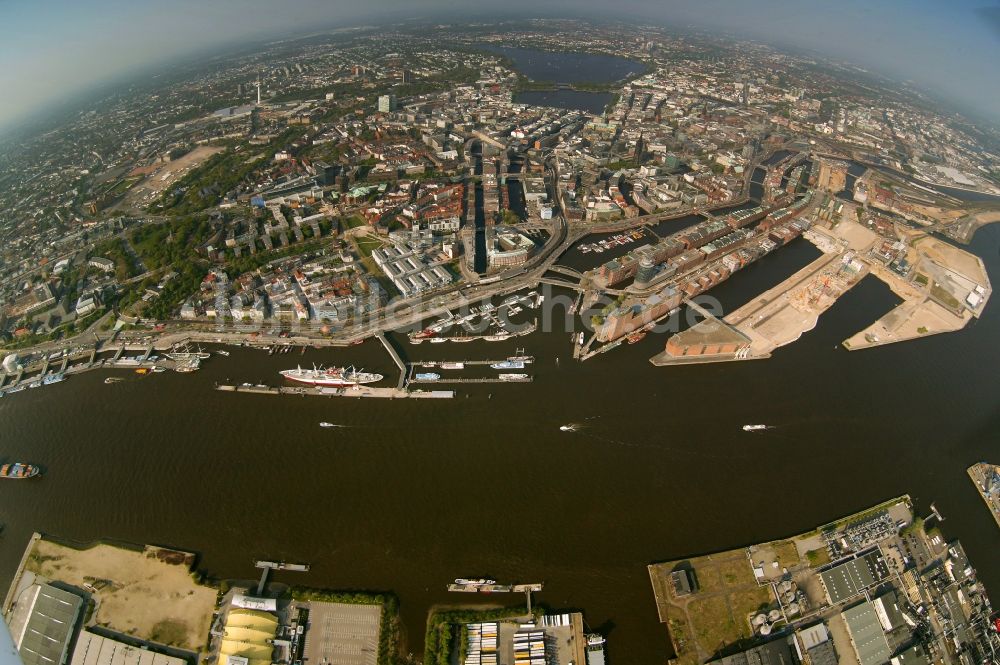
[(248, 637), (775, 652), (43, 624), (846, 580), (93, 649)]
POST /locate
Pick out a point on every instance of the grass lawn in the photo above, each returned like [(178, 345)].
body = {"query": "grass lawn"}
[(367, 245), (944, 297), (786, 553), (353, 221), (736, 572), (818, 557), (714, 626)]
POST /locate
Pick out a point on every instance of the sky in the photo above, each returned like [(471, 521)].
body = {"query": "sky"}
[(53, 50)]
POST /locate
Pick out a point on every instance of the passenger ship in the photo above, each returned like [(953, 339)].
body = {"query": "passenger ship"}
[(330, 376)]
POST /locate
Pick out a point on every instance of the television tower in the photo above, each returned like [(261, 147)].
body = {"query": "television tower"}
[(258, 90)]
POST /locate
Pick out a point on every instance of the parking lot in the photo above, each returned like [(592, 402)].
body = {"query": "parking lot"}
[(341, 634)]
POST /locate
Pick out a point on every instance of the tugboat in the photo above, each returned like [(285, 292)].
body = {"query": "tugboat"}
[(18, 471), (637, 336), (595, 649)]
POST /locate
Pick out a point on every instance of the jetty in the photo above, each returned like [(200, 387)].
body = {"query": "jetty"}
[(986, 477), (357, 391)]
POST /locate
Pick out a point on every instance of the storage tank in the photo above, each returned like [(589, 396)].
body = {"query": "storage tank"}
[(765, 629), (792, 608), (774, 615), (759, 620)]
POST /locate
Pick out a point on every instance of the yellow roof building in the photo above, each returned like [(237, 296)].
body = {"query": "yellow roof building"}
[(249, 634)]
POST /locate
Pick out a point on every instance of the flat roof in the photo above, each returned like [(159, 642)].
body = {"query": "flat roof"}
[(775, 652), (823, 654), (848, 579), (867, 634), (49, 628), (93, 649)]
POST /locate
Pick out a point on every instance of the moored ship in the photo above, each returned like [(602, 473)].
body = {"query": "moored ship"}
[(513, 377), (18, 471), (510, 363), (427, 376), (330, 376)]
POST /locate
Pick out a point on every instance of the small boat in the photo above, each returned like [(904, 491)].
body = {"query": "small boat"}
[(567, 428), (508, 364), (449, 365), (113, 379), (18, 471), (222, 353), (753, 428), (438, 340), (427, 376), (513, 377), (157, 369), (480, 582), (142, 370), (326, 424)]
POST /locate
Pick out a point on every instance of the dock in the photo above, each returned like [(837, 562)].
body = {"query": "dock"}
[(395, 358), (469, 363), (359, 391), (267, 566), (987, 480), (487, 379), (281, 565), (533, 587)]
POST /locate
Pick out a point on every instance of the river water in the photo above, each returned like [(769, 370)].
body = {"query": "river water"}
[(410, 494)]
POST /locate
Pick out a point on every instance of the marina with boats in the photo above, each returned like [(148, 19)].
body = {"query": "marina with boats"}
[(486, 322)]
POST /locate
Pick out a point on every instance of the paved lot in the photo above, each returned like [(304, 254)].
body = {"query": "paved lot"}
[(342, 634)]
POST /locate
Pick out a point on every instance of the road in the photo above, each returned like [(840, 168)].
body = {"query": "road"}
[(403, 314)]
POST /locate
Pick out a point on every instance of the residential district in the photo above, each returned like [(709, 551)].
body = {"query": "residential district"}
[(386, 179), (881, 586)]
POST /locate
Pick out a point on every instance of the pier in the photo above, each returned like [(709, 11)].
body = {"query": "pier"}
[(526, 379), (359, 391), (395, 358), (527, 360), (986, 477), (495, 588), (268, 566)]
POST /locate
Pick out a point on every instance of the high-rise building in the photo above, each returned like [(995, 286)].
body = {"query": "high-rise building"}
[(406, 76), (386, 104)]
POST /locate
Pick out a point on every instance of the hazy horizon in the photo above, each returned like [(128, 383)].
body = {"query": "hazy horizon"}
[(63, 50)]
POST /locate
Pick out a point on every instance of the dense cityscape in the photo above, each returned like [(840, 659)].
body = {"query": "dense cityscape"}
[(404, 186)]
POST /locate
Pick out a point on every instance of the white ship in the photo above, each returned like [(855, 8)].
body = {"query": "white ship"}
[(513, 377), (184, 354), (330, 376), (510, 363)]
